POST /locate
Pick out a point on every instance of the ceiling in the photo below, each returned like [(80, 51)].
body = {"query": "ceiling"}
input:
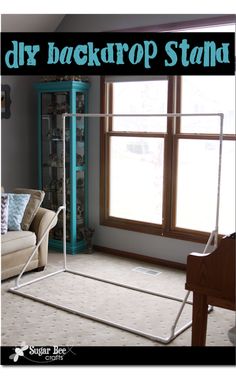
[(30, 22)]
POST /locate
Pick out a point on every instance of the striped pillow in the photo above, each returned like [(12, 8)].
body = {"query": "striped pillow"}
[(4, 213), (17, 205)]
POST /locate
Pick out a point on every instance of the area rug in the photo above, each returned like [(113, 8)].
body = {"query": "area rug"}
[(37, 324)]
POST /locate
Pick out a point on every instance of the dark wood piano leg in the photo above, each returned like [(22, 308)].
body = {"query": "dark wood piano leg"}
[(199, 325)]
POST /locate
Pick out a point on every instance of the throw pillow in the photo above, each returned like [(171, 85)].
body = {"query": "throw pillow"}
[(36, 198), (16, 209), (4, 213)]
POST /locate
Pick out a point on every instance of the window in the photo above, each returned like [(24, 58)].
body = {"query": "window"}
[(137, 161), (159, 175), (198, 152)]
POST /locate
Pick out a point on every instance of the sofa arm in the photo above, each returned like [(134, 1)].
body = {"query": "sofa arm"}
[(39, 226)]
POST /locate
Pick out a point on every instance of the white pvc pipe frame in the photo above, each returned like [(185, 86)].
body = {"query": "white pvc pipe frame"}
[(213, 238)]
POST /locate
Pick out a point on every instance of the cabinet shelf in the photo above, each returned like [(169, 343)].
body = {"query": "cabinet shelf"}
[(50, 166), (54, 140), (53, 190), (46, 115), (78, 168), (50, 114)]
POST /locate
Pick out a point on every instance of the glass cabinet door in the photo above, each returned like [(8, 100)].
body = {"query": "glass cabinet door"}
[(80, 167), (53, 105), (54, 99)]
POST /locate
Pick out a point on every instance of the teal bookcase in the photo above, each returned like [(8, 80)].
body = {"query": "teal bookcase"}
[(55, 98)]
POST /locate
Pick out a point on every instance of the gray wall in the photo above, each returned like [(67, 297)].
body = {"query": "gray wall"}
[(19, 135), (101, 22), (139, 243)]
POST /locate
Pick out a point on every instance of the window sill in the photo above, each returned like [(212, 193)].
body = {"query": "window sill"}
[(148, 228)]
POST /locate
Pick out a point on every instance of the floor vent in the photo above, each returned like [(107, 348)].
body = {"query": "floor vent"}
[(148, 271)]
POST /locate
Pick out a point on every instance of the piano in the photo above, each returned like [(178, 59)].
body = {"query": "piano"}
[(211, 277)]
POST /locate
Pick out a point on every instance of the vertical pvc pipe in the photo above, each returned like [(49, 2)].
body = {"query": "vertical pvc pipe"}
[(219, 180), (64, 187), (39, 132)]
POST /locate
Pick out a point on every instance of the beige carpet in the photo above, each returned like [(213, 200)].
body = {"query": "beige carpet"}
[(38, 324)]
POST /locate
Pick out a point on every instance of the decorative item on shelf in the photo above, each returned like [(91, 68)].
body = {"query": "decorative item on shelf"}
[(77, 78), (60, 161), (60, 187), (64, 107), (88, 235), (80, 183), (49, 78), (57, 108), (51, 108), (54, 133), (57, 133), (50, 186), (80, 213), (53, 184), (80, 160), (49, 134), (80, 134), (54, 160), (80, 104)]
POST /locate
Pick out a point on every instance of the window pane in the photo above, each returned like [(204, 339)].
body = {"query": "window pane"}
[(197, 185), (208, 94), (136, 178), (140, 97)]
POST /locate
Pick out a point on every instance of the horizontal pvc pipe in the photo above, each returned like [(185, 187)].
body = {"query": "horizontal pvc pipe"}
[(140, 114), (104, 321), (127, 286)]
